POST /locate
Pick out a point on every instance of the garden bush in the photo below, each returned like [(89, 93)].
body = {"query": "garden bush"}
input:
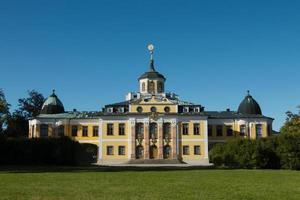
[(276, 152), (41, 151)]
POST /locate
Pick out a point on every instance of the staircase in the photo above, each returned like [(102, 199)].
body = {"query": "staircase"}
[(155, 161)]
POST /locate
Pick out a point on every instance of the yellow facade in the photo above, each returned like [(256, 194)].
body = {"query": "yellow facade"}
[(152, 124)]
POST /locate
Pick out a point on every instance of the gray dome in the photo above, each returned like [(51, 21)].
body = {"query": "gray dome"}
[(152, 73), (249, 106), (52, 105)]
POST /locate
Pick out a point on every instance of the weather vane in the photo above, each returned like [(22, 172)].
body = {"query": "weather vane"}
[(151, 48)]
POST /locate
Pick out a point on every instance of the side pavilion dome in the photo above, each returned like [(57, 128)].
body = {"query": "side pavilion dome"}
[(52, 105), (249, 106)]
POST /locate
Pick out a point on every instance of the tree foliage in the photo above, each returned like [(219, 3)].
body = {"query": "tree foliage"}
[(41, 151), (292, 124), (17, 122), (32, 105), (4, 110), (282, 151)]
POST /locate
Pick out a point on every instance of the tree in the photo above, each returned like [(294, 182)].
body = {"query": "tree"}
[(4, 110), (32, 105), (292, 124), (28, 107)]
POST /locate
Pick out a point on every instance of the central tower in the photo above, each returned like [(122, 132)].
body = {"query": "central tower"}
[(152, 82)]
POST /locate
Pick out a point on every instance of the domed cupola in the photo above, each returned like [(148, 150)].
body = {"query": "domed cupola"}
[(52, 105), (249, 106), (151, 82)]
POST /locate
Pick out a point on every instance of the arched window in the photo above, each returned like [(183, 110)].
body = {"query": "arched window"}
[(166, 130), (153, 131), (160, 87), (139, 130), (143, 87), (167, 152), (151, 87), (139, 152)]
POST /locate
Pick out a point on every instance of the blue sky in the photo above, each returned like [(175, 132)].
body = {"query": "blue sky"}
[(211, 52)]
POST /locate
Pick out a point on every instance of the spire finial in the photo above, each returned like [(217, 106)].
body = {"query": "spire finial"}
[(53, 91), (248, 92), (151, 48)]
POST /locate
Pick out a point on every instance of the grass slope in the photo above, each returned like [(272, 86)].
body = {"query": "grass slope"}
[(178, 184)]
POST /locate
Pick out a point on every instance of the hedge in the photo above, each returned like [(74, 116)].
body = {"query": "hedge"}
[(277, 152), (41, 151)]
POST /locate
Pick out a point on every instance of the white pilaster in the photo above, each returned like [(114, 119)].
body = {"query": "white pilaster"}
[(100, 133)]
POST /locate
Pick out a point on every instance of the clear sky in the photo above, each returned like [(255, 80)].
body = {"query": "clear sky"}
[(211, 52)]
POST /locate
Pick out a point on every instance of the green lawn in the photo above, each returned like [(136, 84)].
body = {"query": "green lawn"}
[(150, 184)]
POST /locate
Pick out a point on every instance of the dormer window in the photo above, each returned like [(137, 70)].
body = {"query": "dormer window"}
[(186, 109), (197, 109), (121, 110), (110, 109)]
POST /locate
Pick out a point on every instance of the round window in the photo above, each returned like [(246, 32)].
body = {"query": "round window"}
[(139, 109), (167, 109), (153, 109)]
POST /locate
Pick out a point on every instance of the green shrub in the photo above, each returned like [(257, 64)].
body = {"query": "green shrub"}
[(266, 153), (41, 151)]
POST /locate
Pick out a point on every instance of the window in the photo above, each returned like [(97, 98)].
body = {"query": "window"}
[(110, 129), (186, 150), (219, 130), (258, 128), (160, 87), (167, 152), (196, 129), (151, 87), (186, 109), (109, 150), (139, 130), (197, 109), (122, 129), (32, 131), (110, 109), (197, 150), (166, 130), (95, 131), (61, 131), (242, 130), (167, 109), (153, 109), (209, 130), (74, 131), (44, 130), (121, 109), (229, 131), (84, 131), (153, 130), (143, 87), (121, 150), (185, 129), (139, 109)]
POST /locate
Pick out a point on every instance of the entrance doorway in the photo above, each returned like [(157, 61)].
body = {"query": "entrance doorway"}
[(167, 152), (139, 152), (153, 152)]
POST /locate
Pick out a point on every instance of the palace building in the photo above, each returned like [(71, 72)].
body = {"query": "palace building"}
[(151, 125)]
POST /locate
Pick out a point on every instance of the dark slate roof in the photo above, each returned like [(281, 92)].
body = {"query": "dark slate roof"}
[(249, 106), (231, 115), (123, 103), (152, 73), (52, 105)]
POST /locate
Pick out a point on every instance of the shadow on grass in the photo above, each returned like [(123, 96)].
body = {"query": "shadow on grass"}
[(94, 168)]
